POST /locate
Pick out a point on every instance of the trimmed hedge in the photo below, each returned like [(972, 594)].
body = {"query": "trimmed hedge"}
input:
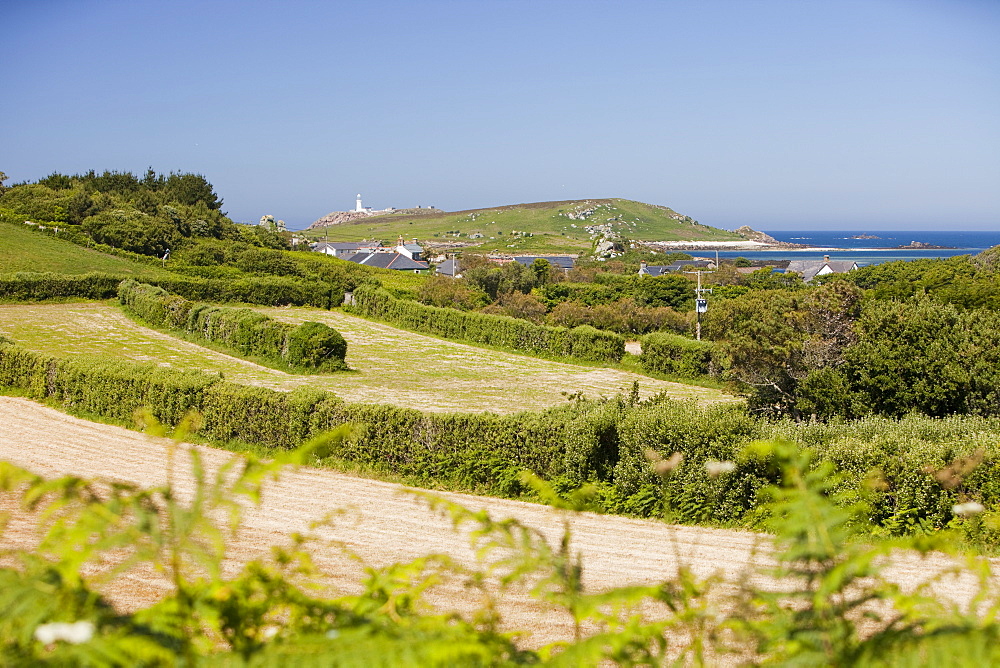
[(675, 354), (480, 451), (606, 442), (309, 346), (29, 286), (583, 342), (266, 291)]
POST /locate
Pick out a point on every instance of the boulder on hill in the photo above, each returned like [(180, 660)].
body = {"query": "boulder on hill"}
[(751, 234)]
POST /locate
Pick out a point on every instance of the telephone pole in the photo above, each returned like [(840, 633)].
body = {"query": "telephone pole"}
[(700, 303)]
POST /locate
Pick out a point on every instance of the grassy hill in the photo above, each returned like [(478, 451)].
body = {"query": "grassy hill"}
[(555, 226), (24, 249)]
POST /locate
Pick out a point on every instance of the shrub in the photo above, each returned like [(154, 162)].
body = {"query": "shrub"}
[(583, 343), (675, 354), (309, 346), (266, 291), (914, 470)]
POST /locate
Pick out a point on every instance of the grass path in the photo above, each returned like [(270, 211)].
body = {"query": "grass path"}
[(392, 366), (23, 249)]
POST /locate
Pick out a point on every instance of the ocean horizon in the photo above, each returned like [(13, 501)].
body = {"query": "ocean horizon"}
[(841, 245)]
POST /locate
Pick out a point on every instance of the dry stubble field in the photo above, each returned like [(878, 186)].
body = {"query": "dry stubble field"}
[(391, 365), (384, 523)]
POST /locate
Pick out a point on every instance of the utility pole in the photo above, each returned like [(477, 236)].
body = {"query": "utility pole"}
[(700, 303)]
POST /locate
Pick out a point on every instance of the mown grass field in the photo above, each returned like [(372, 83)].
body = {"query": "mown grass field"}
[(23, 249), (549, 222), (390, 366)]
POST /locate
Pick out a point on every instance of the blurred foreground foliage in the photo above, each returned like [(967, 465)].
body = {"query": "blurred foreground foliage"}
[(829, 602)]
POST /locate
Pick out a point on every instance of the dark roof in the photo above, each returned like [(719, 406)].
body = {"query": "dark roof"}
[(680, 264), (660, 269), (810, 268), (447, 268), (561, 261), (340, 246), (387, 261)]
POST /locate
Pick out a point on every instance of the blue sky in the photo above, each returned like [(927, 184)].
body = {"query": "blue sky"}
[(781, 114)]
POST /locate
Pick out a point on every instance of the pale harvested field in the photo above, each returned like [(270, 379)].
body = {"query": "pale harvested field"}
[(391, 366), (384, 523)]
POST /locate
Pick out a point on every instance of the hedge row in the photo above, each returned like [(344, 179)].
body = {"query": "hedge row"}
[(675, 354), (310, 346), (582, 342), (267, 290), (607, 442)]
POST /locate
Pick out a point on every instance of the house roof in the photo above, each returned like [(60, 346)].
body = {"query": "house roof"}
[(697, 264), (806, 268), (660, 269), (414, 248), (842, 266), (340, 246), (387, 261), (561, 261), (447, 268), (809, 269)]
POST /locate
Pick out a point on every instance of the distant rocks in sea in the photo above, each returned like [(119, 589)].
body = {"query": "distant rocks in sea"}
[(920, 245), (864, 236)]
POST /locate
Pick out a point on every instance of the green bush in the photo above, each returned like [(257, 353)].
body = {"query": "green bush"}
[(911, 468), (675, 354), (310, 346), (582, 342), (30, 286), (266, 291)]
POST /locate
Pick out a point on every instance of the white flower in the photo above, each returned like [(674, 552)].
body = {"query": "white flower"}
[(75, 633), (715, 469), (967, 509)]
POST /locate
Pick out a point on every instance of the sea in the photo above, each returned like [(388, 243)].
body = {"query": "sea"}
[(841, 245)]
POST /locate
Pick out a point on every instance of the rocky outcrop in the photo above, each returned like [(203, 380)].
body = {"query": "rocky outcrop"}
[(338, 217), (751, 234)]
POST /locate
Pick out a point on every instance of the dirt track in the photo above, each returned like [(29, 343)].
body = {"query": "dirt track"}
[(384, 523)]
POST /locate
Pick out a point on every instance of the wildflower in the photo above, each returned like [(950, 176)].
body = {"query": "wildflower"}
[(75, 633), (715, 469), (967, 509), (663, 466)]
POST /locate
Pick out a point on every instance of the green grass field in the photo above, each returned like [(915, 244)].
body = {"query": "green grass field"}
[(550, 223), (390, 365), (23, 249)]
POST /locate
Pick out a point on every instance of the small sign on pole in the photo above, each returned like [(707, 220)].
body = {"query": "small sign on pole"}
[(701, 305)]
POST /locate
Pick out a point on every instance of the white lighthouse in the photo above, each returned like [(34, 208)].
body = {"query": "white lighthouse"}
[(358, 207)]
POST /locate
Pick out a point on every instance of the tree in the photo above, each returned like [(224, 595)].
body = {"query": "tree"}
[(774, 340), (452, 293), (671, 290), (544, 271), (132, 230), (191, 189), (519, 305), (924, 356)]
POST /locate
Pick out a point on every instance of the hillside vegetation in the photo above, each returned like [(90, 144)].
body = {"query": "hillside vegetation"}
[(540, 227), (24, 249)]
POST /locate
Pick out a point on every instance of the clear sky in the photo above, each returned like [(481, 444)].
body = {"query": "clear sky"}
[(781, 114)]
